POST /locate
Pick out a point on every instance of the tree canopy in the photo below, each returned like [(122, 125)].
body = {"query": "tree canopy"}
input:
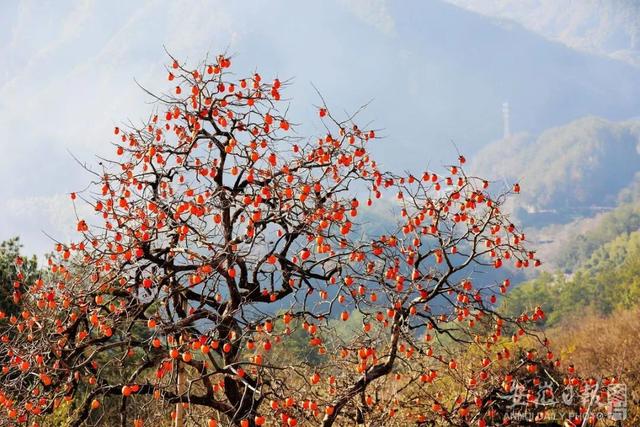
[(220, 234)]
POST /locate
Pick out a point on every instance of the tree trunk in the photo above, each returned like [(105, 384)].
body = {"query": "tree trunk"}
[(180, 391)]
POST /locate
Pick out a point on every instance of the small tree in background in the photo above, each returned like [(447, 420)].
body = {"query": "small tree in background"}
[(219, 234), (14, 270)]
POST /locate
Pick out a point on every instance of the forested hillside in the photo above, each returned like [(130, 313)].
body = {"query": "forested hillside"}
[(608, 280), (567, 172)]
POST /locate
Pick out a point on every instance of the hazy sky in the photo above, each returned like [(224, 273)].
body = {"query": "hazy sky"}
[(436, 75)]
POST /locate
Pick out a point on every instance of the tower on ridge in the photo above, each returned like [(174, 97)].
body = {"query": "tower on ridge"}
[(505, 120)]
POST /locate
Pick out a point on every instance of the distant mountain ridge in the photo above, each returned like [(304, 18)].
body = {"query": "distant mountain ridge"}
[(604, 27), (584, 165)]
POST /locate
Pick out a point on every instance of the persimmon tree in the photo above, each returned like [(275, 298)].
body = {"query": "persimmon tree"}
[(220, 232)]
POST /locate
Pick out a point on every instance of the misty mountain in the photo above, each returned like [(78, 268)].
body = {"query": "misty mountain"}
[(439, 78), (436, 74), (605, 27)]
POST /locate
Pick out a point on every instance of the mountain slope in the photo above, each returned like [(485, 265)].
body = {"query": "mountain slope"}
[(607, 280), (605, 27), (572, 170)]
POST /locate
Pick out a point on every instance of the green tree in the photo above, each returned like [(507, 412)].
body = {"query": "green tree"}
[(9, 255)]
